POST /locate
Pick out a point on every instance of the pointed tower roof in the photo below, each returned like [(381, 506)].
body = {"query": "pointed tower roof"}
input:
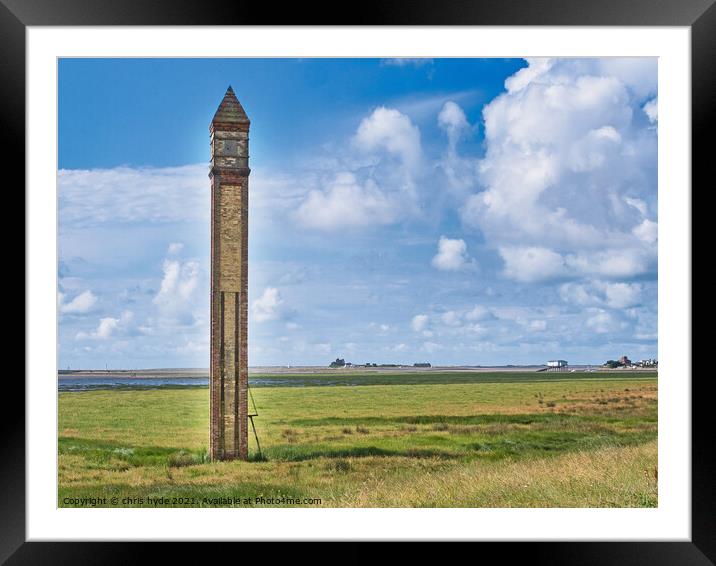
[(230, 110)]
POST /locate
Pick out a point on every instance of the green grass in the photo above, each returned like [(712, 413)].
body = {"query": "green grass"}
[(580, 440), (353, 377)]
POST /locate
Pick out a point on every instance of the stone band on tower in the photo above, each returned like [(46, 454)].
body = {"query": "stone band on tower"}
[(228, 378)]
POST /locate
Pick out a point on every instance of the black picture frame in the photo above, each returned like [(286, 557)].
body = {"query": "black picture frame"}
[(699, 15)]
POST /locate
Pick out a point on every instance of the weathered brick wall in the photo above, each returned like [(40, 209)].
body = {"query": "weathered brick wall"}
[(229, 281)]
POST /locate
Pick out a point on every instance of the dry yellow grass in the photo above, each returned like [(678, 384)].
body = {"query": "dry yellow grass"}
[(609, 477)]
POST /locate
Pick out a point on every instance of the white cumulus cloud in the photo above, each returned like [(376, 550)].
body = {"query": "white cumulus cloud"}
[(479, 312), (175, 248), (566, 163), (459, 171), (451, 318), (531, 263), (616, 295), (178, 284), (389, 130), (453, 121), (419, 322), (647, 231), (108, 327), (347, 203), (373, 184), (269, 306), (603, 322), (82, 303), (651, 109), (452, 255)]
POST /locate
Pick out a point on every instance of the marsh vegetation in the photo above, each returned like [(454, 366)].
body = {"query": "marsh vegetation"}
[(580, 440)]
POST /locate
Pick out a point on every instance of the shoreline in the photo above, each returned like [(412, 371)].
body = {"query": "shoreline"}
[(198, 373)]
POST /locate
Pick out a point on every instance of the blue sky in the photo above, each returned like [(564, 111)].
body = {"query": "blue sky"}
[(457, 211)]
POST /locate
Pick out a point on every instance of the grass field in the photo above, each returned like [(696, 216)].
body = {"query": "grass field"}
[(493, 440)]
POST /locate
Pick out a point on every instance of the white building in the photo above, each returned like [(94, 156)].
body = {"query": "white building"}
[(557, 364)]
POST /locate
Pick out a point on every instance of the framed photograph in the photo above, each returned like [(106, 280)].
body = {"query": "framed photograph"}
[(427, 277)]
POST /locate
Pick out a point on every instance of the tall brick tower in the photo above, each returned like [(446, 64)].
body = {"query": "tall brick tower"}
[(229, 176)]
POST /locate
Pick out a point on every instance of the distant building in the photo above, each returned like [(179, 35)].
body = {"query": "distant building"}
[(557, 364), (339, 363), (651, 362), (422, 365), (625, 361)]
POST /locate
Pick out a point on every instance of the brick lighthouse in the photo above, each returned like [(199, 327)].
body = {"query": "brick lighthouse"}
[(228, 378)]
